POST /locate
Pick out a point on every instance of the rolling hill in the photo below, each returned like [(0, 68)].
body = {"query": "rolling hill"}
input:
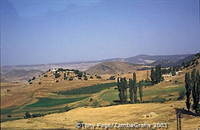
[(19, 75), (164, 60), (114, 67)]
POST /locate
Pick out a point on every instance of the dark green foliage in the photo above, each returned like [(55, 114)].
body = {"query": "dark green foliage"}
[(153, 76), (131, 88), (156, 75), (65, 76), (27, 115), (122, 88), (134, 88), (79, 73), (192, 86), (49, 102), (45, 75), (141, 92), (85, 77), (57, 75), (188, 90)]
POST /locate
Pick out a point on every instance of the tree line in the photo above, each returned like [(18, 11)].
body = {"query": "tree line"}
[(192, 86), (133, 86)]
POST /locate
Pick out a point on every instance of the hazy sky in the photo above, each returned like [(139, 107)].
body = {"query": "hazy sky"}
[(49, 31)]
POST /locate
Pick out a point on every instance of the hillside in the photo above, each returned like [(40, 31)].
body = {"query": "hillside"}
[(164, 60), (132, 113), (19, 75), (113, 68)]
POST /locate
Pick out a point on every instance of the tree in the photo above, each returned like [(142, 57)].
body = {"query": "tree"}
[(135, 87), (122, 88), (195, 89), (27, 115), (173, 71), (57, 75), (192, 85), (131, 88), (156, 74), (188, 90), (141, 92), (119, 85), (153, 78)]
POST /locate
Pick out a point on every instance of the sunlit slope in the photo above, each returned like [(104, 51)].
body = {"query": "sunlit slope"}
[(131, 113)]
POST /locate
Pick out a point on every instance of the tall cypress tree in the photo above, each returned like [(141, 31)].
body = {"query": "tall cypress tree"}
[(152, 75), (188, 90), (135, 87), (119, 85), (131, 87), (194, 89), (141, 92), (125, 86)]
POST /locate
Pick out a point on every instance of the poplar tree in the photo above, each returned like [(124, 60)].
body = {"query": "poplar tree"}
[(141, 92), (135, 87), (192, 85), (131, 87), (119, 85), (188, 91)]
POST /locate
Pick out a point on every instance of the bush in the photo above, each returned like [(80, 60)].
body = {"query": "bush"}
[(27, 115), (85, 78), (181, 94), (112, 78), (33, 78), (57, 75), (45, 75), (9, 116), (70, 79)]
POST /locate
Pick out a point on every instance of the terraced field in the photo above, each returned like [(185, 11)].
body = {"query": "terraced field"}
[(54, 102), (96, 95)]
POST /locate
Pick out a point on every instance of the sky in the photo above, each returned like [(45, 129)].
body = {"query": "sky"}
[(54, 31)]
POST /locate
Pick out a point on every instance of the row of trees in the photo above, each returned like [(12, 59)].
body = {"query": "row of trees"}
[(156, 74), (123, 85), (192, 86)]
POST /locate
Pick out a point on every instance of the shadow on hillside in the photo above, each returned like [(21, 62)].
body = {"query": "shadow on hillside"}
[(184, 111)]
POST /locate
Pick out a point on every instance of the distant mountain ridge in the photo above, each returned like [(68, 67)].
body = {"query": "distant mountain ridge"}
[(10, 73), (163, 60), (113, 67)]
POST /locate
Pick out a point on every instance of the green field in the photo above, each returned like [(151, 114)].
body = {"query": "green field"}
[(152, 95), (99, 94), (50, 102), (88, 90)]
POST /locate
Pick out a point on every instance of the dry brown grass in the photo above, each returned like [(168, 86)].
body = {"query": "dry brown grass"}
[(131, 113), (26, 93)]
